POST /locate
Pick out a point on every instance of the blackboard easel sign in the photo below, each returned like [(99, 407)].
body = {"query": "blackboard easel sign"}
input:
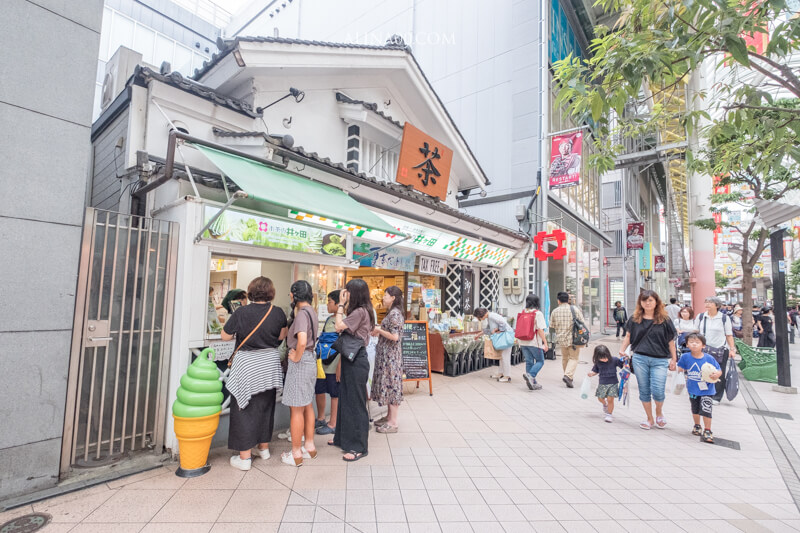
[(416, 355)]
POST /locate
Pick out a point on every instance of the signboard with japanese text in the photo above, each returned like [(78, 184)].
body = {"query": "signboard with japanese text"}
[(659, 263), (565, 160), (432, 266), (635, 237), (245, 228), (393, 258), (424, 163), (467, 291), (415, 353), (645, 257), (433, 241)]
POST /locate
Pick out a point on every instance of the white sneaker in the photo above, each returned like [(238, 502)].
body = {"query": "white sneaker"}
[(496, 376), (609, 418), (264, 454), (504, 379), (241, 464)]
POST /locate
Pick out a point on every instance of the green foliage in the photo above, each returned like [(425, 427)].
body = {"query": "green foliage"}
[(793, 279), (719, 280)]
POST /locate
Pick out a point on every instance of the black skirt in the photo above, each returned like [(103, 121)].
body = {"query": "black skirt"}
[(352, 425), (253, 424)]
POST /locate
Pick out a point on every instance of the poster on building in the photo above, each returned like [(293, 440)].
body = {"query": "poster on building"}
[(730, 270), (758, 270), (432, 299), (635, 235), (394, 259), (659, 263), (565, 160), (236, 226)]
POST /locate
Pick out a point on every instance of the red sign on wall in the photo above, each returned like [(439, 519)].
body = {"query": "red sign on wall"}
[(558, 236)]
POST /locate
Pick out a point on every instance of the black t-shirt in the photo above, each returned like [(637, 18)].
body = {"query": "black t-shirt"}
[(608, 370), (244, 319), (656, 342)]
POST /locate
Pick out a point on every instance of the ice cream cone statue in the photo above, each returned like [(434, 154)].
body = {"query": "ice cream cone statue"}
[(196, 414)]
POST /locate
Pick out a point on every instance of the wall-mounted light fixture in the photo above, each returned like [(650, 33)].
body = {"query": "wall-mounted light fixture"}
[(237, 55), (297, 94)]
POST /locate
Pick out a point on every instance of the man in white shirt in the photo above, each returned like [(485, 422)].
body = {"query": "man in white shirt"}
[(673, 309), (717, 328)]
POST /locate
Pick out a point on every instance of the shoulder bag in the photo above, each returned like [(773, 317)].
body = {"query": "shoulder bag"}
[(639, 338), (230, 361), (324, 348), (580, 333), (348, 345), (720, 352)]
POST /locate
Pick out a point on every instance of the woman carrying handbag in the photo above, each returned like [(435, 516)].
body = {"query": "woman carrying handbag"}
[(352, 427), (255, 372), (502, 340)]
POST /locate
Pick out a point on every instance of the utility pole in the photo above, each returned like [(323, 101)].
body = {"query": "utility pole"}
[(779, 301)]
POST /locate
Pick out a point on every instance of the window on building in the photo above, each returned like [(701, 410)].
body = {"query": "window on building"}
[(378, 161)]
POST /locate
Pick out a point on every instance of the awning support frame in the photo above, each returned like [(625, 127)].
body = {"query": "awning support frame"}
[(236, 196)]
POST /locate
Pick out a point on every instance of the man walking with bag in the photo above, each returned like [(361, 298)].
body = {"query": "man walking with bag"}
[(717, 328), (566, 320)]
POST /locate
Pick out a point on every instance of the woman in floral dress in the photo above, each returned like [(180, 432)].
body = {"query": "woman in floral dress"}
[(387, 379)]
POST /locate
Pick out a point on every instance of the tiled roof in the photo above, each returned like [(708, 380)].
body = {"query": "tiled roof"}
[(144, 74), (344, 99), (219, 132), (226, 47)]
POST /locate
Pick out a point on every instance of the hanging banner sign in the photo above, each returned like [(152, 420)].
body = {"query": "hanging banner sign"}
[(424, 163), (432, 266), (758, 270), (659, 263), (565, 160), (394, 259), (646, 257), (235, 226), (730, 270), (635, 235)]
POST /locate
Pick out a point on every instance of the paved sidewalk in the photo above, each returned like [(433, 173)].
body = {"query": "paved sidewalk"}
[(478, 456)]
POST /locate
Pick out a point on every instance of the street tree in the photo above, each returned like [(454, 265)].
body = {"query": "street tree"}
[(719, 280), (647, 56)]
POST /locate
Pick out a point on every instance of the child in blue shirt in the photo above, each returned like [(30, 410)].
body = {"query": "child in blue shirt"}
[(606, 366), (701, 392)]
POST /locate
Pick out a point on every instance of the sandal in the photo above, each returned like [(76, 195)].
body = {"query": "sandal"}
[(381, 421), (386, 428), (708, 436), (645, 425), (288, 459), (356, 456), (661, 422), (697, 430)]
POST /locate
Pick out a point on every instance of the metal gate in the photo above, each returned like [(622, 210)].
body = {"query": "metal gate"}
[(116, 395)]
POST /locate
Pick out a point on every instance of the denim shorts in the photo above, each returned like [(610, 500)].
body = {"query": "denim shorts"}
[(651, 376)]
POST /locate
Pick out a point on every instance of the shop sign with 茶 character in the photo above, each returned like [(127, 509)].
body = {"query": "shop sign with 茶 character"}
[(565, 160), (424, 163)]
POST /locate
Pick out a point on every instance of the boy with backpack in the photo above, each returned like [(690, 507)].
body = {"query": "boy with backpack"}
[(530, 335)]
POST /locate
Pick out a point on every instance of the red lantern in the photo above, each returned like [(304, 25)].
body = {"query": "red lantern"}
[(558, 236)]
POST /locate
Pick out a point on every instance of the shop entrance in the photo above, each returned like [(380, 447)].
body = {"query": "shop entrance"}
[(116, 389)]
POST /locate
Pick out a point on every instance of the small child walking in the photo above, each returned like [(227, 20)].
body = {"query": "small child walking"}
[(701, 388), (606, 366)]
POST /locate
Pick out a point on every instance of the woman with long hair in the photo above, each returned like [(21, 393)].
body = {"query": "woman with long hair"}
[(255, 372), (352, 427), (301, 375), (651, 336), (387, 378)]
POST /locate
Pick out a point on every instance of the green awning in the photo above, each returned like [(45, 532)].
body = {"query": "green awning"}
[(297, 194)]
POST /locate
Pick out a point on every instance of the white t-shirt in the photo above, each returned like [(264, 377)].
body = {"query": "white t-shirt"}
[(715, 332), (539, 324), (685, 325), (672, 311)]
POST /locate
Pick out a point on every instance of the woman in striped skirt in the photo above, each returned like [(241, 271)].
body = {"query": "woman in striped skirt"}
[(301, 376), (255, 372)]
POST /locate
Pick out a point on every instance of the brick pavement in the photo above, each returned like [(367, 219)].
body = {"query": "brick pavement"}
[(478, 456)]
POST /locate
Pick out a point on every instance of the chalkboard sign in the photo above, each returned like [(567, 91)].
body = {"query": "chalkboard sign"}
[(416, 358)]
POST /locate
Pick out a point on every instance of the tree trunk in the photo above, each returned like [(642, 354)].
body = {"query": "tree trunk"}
[(747, 303)]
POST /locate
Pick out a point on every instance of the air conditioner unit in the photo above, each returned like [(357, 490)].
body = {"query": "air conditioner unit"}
[(118, 69)]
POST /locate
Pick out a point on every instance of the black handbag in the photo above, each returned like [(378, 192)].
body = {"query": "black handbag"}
[(348, 345)]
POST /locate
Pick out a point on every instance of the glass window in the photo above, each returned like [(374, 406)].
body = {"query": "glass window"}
[(144, 42), (105, 34), (182, 61), (164, 49), (121, 33)]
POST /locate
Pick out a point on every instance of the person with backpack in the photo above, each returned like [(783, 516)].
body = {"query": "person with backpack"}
[(620, 317), (530, 335), (330, 366), (717, 328), (571, 335)]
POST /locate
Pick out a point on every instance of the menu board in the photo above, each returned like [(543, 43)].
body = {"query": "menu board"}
[(414, 347)]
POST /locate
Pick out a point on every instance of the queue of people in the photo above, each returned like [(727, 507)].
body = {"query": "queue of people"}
[(257, 371)]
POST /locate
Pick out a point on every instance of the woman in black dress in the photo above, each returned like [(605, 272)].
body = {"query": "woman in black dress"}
[(352, 428), (255, 371), (766, 329)]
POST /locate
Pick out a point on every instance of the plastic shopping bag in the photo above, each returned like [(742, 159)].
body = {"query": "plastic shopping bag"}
[(676, 382), (586, 387)]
